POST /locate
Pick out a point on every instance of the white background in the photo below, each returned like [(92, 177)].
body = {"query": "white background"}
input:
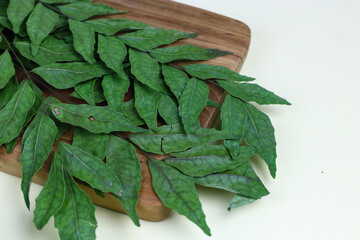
[(308, 52)]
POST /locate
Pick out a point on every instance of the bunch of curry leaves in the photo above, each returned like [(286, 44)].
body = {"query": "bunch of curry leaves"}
[(55, 40)]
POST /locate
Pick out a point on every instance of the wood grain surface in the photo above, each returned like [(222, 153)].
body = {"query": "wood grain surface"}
[(215, 31)]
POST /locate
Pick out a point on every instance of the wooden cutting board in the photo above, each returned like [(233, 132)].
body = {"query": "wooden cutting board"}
[(215, 31)]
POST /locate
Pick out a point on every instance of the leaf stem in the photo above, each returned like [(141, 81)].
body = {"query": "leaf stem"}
[(57, 10)]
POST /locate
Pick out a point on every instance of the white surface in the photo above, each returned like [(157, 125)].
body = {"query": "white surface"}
[(308, 52)]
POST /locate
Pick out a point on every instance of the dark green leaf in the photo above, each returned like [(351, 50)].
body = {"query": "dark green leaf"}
[(84, 39), (205, 71), (112, 52), (7, 69), (92, 118), (95, 144), (82, 11), (192, 102), (10, 146), (239, 201), (150, 38), (17, 11), (168, 109), (50, 51), (233, 118), (65, 1), (76, 218), (129, 111), (203, 150), (112, 26), (86, 91), (186, 52), (51, 197), (41, 22), (90, 169), (241, 180), (122, 158), (13, 115), (178, 192), (146, 101), (212, 103), (175, 79), (8, 91), (74, 73), (260, 135), (115, 88), (252, 92), (37, 146), (145, 68)]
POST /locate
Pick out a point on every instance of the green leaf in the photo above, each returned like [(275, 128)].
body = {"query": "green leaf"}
[(86, 91), (50, 51), (205, 71), (252, 93), (150, 38), (168, 109), (112, 26), (260, 135), (13, 115), (241, 180), (172, 138), (7, 69), (175, 79), (41, 22), (178, 192), (92, 118), (74, 73), (186, 52), (10, 146), (65, 1), (52, 196), (8, 91), (212, 103), (203, 150), (115, 88), (233, 118), (145, 68), (95, 144), (90, 169), (239, 201), (122, 158), (17, 11), (146, 101), (37, 146), (192, 102), (112, 52), (84, 39), (65, 35), (83, 11), (129, 111), (76, 218)]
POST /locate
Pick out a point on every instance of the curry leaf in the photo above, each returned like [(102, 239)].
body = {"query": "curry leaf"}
[(90, 169), (175, 79), (92, 118), (121, 156), (95, 144), (112, 52), (52, 196), (84, 39), (260, 135), (207, 149), (150, 38), (115, 88), (240, 200), (112, 26), (50, 51), (76, 218), (129, 111), (13, 115), (8, 91), (192, 102), (186, 52), (205, 71), (36, 148), (146, 101), (41, 22), (7, 69), (82, 11), (252, 92), (168, 109), (65, 1), (178, 192), (17, 11), (86, 91), (74, 73)]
